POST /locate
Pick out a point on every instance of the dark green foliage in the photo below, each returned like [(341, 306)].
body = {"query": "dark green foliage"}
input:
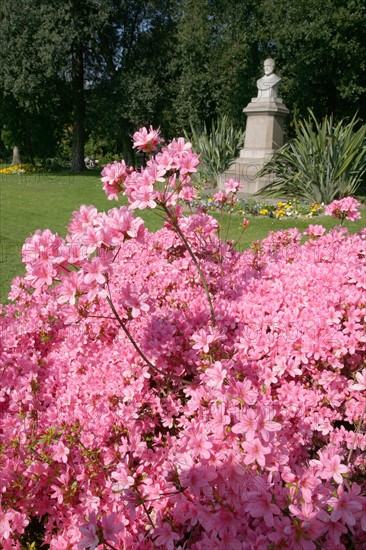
[(100, 69), (320, 50), (215, 59)]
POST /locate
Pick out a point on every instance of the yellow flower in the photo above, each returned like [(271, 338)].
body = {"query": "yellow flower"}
[(263, 212), (316, 208), (280, 213)]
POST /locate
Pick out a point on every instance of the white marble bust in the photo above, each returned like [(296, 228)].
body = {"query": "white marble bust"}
[(268, 84)]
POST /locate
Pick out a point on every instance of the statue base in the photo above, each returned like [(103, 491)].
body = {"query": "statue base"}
[(263, 136)]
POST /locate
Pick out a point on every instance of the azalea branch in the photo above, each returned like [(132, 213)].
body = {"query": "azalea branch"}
[(195, 261), (139, 350), (229, 222), (116, 254), (244, 228), (148, 514)]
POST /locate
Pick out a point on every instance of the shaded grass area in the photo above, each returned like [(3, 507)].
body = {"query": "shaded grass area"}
[(40, 201)]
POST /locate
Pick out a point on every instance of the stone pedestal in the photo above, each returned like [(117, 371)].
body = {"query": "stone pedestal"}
[(263, 135)]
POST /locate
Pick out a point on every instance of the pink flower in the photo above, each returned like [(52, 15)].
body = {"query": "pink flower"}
[(134, 301), (144, 198), (179, 146), (315, 230), (113, 175), (188, 193), (335, 469), (165, 160), (232, 186), (347, 208), (330, 466), (70, 286), (146, 140), (361, 381), (215, 375), (122, 479), (199, 443), (166, 536), (188, 163), (260, 505), (96, 270), (5, 529), (308, 512), (111, 527), (89, 533), (255, 452), (60, 452), (40, 274), (220, 197), (203, 340), (344, 507), (247, 425)]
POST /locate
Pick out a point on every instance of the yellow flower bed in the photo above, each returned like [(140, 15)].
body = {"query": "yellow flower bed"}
[(20, 169)]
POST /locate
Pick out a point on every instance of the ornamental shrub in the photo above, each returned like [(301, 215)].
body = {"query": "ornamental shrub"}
[(162, 390), (323, 162), (218, 146)]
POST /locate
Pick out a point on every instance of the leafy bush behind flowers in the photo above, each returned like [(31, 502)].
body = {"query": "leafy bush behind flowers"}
[(162, 390)]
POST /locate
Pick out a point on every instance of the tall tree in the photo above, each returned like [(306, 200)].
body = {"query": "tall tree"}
[(51, 49), (320, 49), (215, 57), (137, 90), (28, 89)]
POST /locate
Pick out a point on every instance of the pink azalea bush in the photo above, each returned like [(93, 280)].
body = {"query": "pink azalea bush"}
[(162, 390)]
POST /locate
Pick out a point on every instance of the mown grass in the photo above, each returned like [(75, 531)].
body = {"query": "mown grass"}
[(40, 201)]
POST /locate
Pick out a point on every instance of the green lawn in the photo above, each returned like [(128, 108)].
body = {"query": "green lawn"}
[(40, 201)]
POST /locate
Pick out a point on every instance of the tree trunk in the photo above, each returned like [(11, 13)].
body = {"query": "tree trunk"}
[(78, 138), (16, 156)]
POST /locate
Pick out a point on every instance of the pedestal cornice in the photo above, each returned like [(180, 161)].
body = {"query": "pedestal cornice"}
[(268, 107)]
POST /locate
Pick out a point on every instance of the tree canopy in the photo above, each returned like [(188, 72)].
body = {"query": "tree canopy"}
[(91, 71)]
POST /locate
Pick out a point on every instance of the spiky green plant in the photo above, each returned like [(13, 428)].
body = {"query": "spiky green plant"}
[(218, 147), (322, 163)]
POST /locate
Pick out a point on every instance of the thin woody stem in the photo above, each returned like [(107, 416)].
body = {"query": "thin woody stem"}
[(196, 263), (148, 514), (240, 236), (139, 350), (229, 223)]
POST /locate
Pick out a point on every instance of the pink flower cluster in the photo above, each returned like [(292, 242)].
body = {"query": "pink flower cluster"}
[(347, 208), (247, 435), (113, 176), (228, 196), (315, 230), (164, 181), (146, 140)]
